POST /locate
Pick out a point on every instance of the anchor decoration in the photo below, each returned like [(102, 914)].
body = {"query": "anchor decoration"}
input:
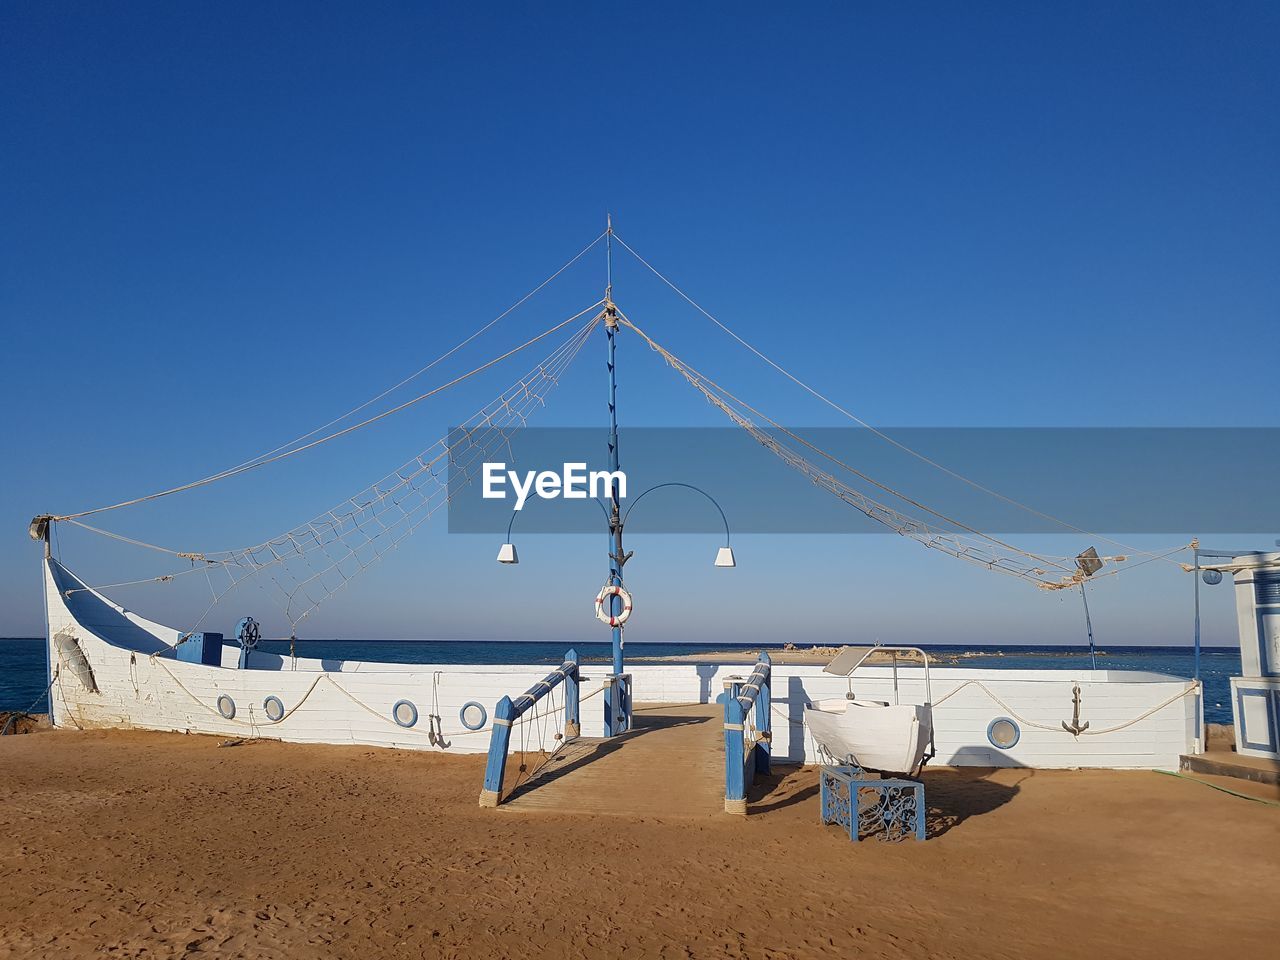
[(1075, 727)]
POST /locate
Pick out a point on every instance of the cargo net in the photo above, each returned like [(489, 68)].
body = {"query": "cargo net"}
[(310, 563), (941, 533)]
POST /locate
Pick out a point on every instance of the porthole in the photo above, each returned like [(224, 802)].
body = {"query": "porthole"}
[(227, 707), (404, 713), (1003, 733), (274, 708), (473, 715)]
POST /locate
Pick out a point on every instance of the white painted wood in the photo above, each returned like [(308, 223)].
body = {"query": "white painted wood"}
[(1255, 702), (351, 701)]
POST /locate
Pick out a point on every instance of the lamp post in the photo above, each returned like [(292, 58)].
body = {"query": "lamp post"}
[(617, 695), (616, 720)]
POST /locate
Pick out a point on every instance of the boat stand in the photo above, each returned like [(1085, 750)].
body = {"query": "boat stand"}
[(866, 805)]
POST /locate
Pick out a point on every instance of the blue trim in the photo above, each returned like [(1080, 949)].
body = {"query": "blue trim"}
[(1265, 693), (1265, 667), (764, 718), (226, 707), (735, 781), (1017, 733), (202, 648), (508, 711), (395, 707), (572, 697), (266, 705), (504, 714), (484, 715), (753, 694)]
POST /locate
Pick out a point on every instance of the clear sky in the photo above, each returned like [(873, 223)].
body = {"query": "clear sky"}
[(224, 224)]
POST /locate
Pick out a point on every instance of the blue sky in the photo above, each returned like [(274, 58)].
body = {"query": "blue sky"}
[(224, 224)]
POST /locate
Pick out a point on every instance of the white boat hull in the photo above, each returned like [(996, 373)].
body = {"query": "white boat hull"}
[(889, 738), (350, 702)]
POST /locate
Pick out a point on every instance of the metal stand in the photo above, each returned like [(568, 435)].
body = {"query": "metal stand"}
[(868, 806)]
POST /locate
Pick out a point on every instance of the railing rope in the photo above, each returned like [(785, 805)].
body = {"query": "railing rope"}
[(742, 761), (508, 712)]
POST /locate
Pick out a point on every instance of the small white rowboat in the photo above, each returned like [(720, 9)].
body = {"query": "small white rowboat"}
[(893, 738)]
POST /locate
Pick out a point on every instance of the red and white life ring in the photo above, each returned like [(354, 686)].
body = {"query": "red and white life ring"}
[(603, 613)]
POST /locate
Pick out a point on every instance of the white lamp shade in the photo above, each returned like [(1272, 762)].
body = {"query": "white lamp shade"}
[(724, 557), (507, 554)]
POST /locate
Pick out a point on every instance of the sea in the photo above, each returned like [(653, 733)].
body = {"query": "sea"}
[(23, 677)]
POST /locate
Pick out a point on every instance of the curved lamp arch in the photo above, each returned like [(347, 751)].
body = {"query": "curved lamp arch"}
[(724, 556)]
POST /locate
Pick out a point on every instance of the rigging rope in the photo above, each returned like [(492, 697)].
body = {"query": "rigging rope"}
[(254, 464), (863, 423), (314, 560), (979, 548), (440, 359)]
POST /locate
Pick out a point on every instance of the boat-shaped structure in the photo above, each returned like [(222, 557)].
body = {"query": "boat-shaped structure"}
[(992, 717), (111, 667)]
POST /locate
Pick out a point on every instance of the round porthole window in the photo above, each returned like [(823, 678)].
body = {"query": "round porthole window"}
[(404, 713), (274, 708), (227, 707), (473, 715), (1003, 733)]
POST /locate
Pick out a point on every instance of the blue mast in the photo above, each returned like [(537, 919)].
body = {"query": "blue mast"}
[(616, 556)]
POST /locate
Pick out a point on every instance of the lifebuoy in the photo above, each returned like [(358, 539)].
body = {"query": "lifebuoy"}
[(603, 613)]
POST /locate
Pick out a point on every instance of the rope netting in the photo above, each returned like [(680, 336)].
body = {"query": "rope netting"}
[(937, 534), (1151, 555), (311, 562), (308, 564)]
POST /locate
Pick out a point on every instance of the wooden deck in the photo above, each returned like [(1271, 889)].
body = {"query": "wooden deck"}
[(671, 764)]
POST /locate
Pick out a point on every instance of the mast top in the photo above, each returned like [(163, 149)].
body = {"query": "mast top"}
[(608, 258)]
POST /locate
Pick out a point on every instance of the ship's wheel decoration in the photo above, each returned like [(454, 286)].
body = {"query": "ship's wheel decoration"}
[(248, 633)]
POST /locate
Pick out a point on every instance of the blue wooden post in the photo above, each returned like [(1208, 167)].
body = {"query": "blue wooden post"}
[(764, 721), (572, 723), (503, 715), (735, 788), (920, 812)]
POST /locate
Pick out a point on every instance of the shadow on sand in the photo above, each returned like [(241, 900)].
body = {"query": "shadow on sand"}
[(540, 769), (952, 794)]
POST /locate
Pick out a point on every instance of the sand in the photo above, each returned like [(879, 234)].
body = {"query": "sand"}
[(131, 844)]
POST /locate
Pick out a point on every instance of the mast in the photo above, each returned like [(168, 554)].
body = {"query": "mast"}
[(616, 557), (617, 710)]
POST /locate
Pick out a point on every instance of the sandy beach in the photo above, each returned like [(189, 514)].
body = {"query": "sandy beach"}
[(132, 844)]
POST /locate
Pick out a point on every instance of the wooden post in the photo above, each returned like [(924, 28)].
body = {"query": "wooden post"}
[(503, 715), (764, 717), (920, 811), (572, 723), (735, 788)]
